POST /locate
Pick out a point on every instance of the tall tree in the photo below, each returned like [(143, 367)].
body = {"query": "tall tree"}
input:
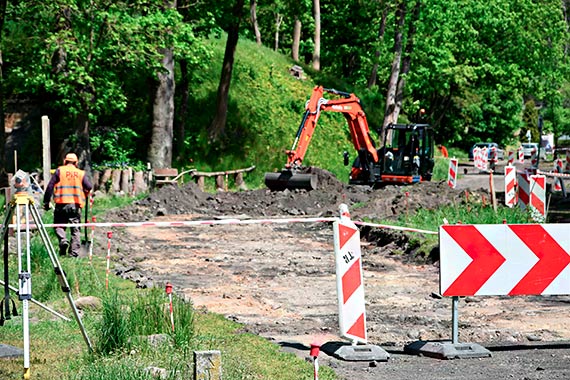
[(392, 111), (160, 149), (299, 12), (218, 125), (317, 36), (254, 23), (278, 21), (296, 39), (381, 31), (3, 171), (406, 61)]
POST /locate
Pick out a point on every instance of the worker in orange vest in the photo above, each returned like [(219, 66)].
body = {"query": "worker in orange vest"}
[(70, 187), (443, 151)]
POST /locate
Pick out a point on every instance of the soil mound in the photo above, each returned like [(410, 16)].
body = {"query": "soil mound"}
[(388, 202)]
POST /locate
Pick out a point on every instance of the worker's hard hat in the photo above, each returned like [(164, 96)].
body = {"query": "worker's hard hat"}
[(70, 157)]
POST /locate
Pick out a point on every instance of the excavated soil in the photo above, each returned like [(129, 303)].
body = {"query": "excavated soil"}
[(278, 279)]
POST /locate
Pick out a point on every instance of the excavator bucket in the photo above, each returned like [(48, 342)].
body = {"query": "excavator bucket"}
[(287, 179)]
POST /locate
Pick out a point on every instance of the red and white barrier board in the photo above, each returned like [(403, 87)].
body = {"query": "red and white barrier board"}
[(477, 157), (452, 173), (503, 259), (350, 286), (523, 182), (521, 155), (510, 185), (484, 158), (537, 199), (534, 158), (557, 185), (511, 156)]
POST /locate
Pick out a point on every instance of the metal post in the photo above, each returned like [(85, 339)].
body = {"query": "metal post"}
[(24, 281), (455, 319)]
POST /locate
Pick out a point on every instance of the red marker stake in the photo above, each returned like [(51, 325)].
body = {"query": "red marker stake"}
[(315, 349), (169, 292), (109, 235)]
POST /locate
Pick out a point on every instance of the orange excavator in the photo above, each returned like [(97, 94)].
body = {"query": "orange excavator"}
[(406, 156)]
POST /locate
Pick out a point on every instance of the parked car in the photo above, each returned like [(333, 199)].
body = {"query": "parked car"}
[(528, 147), (488, 145)]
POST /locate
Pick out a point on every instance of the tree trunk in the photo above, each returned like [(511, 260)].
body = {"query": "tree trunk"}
[(278, 21), (407, 60), (3, 171), (391, 114), (374, 74), (296, 39), (161, 142), (180, 124), (160, 149), (253, 12), (317, 49), (219, 123)]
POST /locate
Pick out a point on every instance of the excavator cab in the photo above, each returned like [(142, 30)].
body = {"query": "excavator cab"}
[(407, 154)]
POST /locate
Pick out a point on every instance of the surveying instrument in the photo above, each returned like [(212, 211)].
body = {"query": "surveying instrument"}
[(22, 205)]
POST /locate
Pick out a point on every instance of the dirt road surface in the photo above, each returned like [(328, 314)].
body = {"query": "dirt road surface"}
[(279, 279)]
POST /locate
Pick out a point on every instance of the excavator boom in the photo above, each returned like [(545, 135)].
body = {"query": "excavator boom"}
[(292, 176)]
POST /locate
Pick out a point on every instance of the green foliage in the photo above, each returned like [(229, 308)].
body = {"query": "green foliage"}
[(127, 319), (440, 169), (113, 333), (115, 148), (113, 369), (480, 83), (470, 211)]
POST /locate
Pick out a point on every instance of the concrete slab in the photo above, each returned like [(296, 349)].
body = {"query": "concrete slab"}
[(360, 352), (10, 352), (447, 350)]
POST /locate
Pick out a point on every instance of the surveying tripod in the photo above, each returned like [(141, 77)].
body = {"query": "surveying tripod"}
[(23, 205)]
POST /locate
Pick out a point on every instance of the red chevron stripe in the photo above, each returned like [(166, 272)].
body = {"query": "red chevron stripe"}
[(552, 259), (535, 200), (351, 280), (345, 233), (486, 260), (357, 329), (523, 196)]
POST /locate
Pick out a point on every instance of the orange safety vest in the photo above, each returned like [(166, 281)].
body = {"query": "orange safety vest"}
[(69, 189)]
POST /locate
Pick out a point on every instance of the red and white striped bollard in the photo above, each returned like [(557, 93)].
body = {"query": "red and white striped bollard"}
[(109, 236), (452, 173), (169, 293)]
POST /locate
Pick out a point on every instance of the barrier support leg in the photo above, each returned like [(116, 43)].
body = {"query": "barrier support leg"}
[(455, 320), (446, 349)]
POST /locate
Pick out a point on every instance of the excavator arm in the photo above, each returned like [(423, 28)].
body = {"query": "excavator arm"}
[(291, 176), (349, 105)]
